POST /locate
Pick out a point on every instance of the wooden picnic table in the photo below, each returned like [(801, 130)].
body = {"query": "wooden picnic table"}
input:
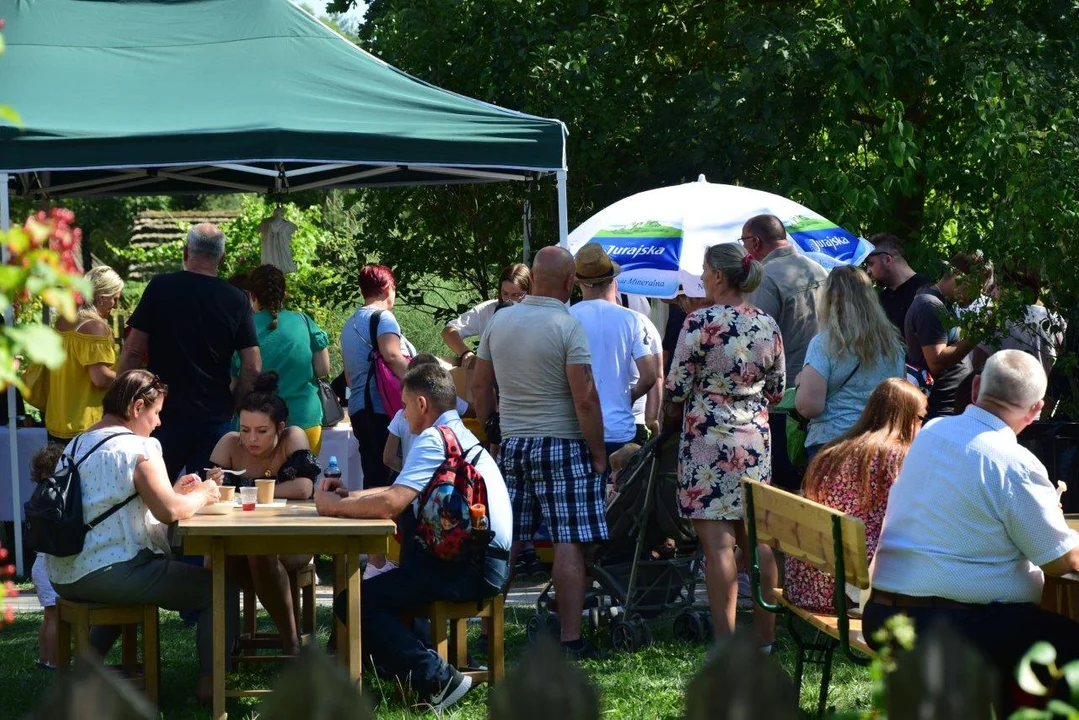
[(296, 529)]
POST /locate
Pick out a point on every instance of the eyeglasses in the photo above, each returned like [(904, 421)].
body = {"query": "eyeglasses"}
[(751, 237)]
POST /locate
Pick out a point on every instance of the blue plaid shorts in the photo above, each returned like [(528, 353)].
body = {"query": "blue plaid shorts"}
[(552, 479)]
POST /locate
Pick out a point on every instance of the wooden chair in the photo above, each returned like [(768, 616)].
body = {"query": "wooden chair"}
[(77, 618), (828, 540), (453, 647), (303, 583)]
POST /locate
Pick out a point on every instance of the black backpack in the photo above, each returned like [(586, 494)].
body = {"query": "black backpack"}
[(54, 524)]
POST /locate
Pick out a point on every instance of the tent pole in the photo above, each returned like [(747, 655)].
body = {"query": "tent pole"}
[(13, 441), (563, 211)]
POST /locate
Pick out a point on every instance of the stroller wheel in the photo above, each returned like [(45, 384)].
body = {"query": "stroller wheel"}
[(689, 627), (641, 629), (536, 627), (625, 636), (554, 626), (706, 622)]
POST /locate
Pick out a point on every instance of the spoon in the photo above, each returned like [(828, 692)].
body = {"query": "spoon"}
[(229, 472)]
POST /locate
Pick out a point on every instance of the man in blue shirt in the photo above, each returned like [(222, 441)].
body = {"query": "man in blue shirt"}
[(430, 400), (973, 526)]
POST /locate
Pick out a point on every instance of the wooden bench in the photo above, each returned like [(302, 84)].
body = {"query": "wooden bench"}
[(76, 618), (303, 583), (826, 539), (453, 647)]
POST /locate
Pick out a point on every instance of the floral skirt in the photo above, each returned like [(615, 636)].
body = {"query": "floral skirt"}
[(712, 462)]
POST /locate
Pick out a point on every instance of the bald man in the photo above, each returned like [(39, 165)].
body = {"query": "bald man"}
[(552, 455)]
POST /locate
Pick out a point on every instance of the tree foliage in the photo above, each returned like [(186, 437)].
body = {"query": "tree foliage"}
[(949, 123)]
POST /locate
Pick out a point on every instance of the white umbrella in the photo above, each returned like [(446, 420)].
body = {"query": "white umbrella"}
[(659, 236)]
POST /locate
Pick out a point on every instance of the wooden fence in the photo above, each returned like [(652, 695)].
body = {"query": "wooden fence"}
[(942, 678)]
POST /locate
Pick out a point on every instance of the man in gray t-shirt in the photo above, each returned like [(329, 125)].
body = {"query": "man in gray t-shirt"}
[(552, 455)]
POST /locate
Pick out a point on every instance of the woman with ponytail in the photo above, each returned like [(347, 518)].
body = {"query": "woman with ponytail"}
[(294, 347), (727, 367), (267, 446)]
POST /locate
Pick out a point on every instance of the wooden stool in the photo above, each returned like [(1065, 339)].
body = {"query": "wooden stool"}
[(454, 648), (81, 616), (302, 582)]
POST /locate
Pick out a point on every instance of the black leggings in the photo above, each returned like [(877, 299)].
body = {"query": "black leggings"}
[(371, 430)]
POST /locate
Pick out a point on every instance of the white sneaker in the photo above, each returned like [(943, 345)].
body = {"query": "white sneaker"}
[(371, 571)]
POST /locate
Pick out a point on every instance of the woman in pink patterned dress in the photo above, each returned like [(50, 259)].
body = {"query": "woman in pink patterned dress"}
[(853, 474), (727, 367)]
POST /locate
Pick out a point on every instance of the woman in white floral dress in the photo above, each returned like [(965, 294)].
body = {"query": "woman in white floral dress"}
[(726, 369)]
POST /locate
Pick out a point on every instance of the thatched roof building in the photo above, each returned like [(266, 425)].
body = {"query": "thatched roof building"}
[(155, 228)]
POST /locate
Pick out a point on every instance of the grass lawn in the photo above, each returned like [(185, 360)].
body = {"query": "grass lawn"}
[(648, 684)]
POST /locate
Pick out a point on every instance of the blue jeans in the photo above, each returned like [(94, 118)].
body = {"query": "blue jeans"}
[(395, 649), (189, 445)]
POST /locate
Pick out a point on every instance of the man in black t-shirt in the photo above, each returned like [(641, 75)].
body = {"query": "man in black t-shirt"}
[(931, 328), (888, 267), (190, 323)]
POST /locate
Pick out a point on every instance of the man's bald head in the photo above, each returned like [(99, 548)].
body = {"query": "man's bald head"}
[(553, 273), (762, 234)]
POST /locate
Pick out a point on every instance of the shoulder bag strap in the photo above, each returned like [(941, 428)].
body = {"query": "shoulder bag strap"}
[(372, 338), (95, 447), (115, 508)]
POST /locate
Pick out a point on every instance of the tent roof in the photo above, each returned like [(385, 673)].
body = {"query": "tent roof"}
[(166, 96)]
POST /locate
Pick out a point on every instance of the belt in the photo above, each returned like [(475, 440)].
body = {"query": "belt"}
[(883, 597)]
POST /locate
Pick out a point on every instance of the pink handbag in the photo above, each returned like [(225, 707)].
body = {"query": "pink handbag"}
[(387, 383)]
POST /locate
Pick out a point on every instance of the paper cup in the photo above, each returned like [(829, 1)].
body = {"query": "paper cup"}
[(248, 495), (228, 493), (265, 490)]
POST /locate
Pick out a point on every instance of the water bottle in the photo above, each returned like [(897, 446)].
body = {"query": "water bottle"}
[(332, 470)]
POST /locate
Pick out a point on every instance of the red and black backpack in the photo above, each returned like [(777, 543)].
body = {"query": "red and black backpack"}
[(444, 526)]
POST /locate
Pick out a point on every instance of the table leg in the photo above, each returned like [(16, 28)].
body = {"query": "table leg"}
[(340, 628), (355, 658), (220, 631)]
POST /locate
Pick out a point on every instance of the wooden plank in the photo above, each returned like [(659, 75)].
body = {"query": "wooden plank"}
[(802, 529), (296, 544), (352, 580), (340, 583), (151, 654), (496, 641), (217, 557), (296, 517), (829, 625)]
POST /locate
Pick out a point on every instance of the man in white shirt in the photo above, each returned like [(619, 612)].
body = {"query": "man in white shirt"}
[(619, 342), (430, 398), (973, 524)]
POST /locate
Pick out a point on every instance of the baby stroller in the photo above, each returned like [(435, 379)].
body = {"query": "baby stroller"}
[(648, 565)]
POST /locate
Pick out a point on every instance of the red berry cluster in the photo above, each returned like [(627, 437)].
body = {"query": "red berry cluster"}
[(7, 571)]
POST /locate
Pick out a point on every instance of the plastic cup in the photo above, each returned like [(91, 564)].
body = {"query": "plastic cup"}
[(228, 493), (265, 490), (248, 496)]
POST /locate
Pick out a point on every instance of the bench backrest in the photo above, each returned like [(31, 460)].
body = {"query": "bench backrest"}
[(807, 530)]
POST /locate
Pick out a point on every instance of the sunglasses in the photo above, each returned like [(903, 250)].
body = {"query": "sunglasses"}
[(155, 386)]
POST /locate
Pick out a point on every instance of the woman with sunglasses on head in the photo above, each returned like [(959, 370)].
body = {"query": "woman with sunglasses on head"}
[(853, 474), (126, 558)]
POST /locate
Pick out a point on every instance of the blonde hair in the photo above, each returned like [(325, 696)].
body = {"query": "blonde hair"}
[(730, 260), (882, 435), (854, 319), (104, 281)]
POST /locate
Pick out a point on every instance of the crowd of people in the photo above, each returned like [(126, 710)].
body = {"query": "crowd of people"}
[(958, 515)]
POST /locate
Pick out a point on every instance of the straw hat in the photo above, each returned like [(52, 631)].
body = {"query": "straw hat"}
[(594, 265)]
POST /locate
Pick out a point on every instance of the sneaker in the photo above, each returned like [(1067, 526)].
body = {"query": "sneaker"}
[(583, 649), (371, 571), (457, 687)]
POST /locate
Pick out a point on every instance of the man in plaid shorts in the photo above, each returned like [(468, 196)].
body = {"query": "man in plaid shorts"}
[(552, 455)]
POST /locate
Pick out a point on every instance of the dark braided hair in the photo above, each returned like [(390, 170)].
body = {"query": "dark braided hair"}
[(267, 284), (264, 398)]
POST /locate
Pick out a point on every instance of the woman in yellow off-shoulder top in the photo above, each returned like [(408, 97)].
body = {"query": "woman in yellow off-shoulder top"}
[(77, 387)]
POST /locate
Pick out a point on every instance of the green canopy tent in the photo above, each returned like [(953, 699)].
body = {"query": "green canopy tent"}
[(127, 97)]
